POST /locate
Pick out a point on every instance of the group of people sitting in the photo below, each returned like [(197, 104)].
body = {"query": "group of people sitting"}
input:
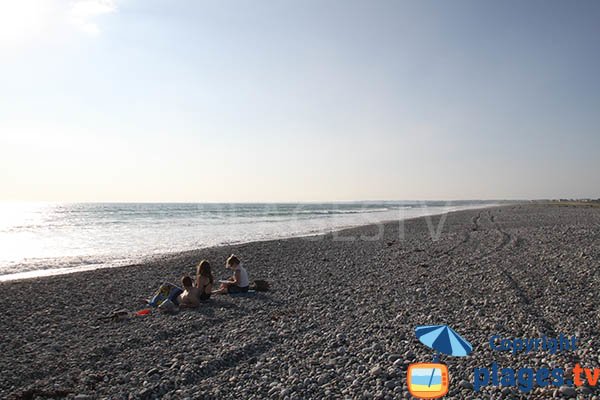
[(192, 293)]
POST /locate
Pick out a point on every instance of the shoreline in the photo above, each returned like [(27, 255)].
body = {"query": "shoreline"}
[(339, 321), (44, 273)]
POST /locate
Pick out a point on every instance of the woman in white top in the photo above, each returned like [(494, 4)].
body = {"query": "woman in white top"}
[(239, 282)]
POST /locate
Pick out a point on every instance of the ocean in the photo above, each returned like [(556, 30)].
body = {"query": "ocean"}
[(38, 239)]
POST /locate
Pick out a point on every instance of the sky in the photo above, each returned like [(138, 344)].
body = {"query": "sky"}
[(210, 101)]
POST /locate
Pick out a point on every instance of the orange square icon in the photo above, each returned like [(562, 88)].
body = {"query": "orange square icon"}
[(427, 380)]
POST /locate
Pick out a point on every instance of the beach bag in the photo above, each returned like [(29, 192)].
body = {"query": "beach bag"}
[(261, 286), (167, 291)]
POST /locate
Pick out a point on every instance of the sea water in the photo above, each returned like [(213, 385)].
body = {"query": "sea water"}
[(52, 238)]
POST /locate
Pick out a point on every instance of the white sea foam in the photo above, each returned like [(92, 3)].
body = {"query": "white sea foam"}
[(49, 239)]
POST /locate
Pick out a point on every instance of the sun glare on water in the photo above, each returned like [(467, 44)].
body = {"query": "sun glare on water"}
[(14, 216)]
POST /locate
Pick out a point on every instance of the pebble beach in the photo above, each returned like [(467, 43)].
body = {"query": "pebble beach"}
[(338, 321)]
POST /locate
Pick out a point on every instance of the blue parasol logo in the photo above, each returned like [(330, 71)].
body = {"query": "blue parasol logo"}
[(443, 339)]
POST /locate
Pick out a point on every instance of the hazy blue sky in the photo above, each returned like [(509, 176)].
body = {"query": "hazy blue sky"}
[(144, 100)]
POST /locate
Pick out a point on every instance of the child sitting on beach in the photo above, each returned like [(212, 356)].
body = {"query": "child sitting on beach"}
[(190, 296), (204, 280), (239, 282)]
